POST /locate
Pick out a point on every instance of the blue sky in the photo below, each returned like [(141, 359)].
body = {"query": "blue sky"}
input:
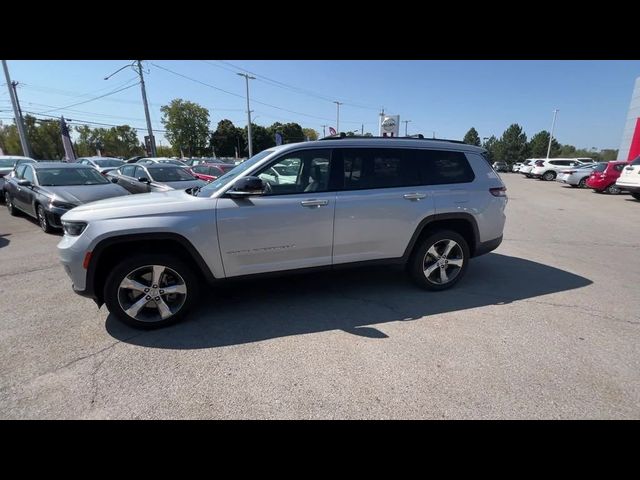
[(447, 97)]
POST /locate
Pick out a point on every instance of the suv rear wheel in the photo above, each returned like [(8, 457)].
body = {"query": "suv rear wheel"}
[(150, 290), (548, 176), (440, 261)]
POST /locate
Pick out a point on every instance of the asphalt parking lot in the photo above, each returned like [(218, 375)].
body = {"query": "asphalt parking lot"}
[(547, 326)]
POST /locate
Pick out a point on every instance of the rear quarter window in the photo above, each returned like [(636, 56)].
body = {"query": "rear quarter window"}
[(440, 167)]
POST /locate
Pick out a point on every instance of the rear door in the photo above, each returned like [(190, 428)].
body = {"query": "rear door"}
[(24, 195), (381, 202)]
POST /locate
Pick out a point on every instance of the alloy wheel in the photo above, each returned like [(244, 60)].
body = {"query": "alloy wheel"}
[(152, 293), (443, 262)]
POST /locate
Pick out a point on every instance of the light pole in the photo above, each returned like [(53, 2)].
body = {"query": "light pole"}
[(247, 78), (137, 67), (406, 124), (553, 124), (338, 117), (16, 112), (324, 132)]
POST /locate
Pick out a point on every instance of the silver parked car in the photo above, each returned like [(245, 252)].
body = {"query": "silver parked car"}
[(429, 204), (576, 176)]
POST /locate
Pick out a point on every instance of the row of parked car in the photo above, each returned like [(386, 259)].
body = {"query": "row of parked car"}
[(46, 190), (602, 177)]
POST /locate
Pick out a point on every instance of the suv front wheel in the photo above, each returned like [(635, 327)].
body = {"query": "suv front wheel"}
[(150, 290), (440, 261)]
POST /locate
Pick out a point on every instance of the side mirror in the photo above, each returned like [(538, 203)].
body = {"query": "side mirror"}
[(114, 179), (143, 180), (25, 183), (247, 187)]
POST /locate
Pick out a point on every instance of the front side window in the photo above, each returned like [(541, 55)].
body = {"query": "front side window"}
[(28, 175), (298, 172), (20, 171)]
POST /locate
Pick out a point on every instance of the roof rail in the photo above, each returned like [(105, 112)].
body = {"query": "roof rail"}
[(418, 136)]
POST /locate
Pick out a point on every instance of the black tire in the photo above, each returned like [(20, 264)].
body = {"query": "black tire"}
[(419, 260), (612, 189), (636, 196), (42, 220), (113, 295), (583, 182), (549, 176), (13, 211)]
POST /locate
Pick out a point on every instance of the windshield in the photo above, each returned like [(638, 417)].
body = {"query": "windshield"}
[(112, 162), (53, 177), (170, 174), (600, 167), (233, 174), (6, 162)]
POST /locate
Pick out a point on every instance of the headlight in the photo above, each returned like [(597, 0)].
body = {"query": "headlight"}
[(73, 228), (66, 206)]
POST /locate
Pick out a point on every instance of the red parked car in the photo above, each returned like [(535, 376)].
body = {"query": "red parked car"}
[(604, 175), (211, 171)]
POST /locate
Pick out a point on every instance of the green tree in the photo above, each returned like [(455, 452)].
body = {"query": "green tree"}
[(310, 133), (540, 142), (513, 145), (10, 140), (608, 155), (291, 132), (260, 138), (227, 138), (491, 145), (472, 137), (187, 125), (121, 141), (164, 151), (568, 151), (44, 137)]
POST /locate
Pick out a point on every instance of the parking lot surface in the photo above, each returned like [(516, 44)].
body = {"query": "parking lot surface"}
[(547, 326)]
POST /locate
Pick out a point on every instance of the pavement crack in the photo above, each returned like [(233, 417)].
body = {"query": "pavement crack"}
[(29, 271)]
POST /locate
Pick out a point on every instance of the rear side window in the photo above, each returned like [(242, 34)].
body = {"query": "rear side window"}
[(636, 161), (439, 167), (619, 167), (368, 168)]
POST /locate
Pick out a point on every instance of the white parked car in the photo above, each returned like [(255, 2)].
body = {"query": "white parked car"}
[(548, 168), (629, 179), (526, 167), (576, 176), (516, 166)]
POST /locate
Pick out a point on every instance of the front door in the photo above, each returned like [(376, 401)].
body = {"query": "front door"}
[(290, 227)]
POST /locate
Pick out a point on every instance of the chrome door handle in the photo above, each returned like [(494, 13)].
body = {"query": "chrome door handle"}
[(314, 203), (414, 196)]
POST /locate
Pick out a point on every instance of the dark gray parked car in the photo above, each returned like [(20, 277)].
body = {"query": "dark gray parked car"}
[(7, 164), (48, 190), (138, 178)]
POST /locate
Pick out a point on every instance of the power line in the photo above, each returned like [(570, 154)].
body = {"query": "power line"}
[(90, 100), (68, 93), (241, 96)]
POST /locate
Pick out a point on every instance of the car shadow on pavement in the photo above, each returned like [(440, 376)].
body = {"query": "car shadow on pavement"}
[(353, 301), (3, 241)]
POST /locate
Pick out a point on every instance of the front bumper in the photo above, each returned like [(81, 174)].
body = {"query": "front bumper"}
[(71, 252)]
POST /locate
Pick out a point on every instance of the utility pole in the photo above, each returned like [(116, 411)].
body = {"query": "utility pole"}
[(553, 125), (338, 117), (247, 78), (406, 123), (324, 132), (16, 111), (152, 139), (362, 130)]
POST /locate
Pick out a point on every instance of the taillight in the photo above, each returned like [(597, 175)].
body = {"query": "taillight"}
[(498, 192)]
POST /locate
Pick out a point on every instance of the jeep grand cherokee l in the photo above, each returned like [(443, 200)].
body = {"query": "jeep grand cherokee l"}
[(428, 204)]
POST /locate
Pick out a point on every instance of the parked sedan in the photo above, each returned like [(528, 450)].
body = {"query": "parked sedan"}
[(154, 178), (577, 176), (500, 166), (8, 163), (211, 171), (102, 164), (47, 190), (603, 177)]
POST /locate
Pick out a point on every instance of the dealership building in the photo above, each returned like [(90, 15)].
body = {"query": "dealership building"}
[(630, 146)]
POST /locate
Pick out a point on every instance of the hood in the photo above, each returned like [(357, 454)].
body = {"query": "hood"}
[(79, 194), (142, 204)]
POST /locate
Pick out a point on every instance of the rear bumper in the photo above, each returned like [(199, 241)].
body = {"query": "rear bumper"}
[(486, 247), (629, 187)]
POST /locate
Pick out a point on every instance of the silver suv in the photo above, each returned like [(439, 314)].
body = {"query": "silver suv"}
[(428, 204)]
